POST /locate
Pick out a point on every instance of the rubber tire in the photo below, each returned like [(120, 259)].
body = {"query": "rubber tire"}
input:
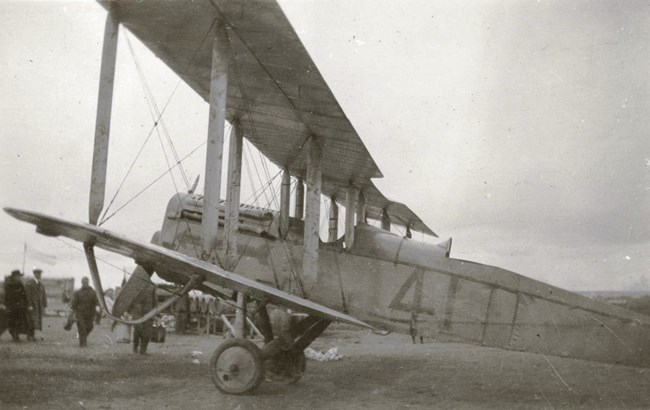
[(256, 355)]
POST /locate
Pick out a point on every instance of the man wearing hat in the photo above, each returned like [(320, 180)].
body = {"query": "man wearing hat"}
[(84, 302), (16, 305), (36, 302)]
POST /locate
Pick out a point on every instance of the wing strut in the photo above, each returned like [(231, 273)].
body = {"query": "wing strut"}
[(103, 120), (333, 234), (214, 152), (351, 196), (299, 200), (312, 213), (231, 224), (285, 200), (89, 250)]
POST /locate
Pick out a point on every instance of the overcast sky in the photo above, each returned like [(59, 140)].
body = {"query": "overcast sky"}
[(519, 128)]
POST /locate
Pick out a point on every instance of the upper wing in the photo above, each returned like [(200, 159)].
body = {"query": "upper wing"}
[(274, 88), (184, 266)]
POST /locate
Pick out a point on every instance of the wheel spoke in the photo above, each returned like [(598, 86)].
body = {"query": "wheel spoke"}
[(236, 366)]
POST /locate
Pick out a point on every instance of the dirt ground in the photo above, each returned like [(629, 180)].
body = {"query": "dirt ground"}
[(377, 372)]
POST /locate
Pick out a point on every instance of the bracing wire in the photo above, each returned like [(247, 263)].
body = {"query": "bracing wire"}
[(153, 110), (159, 116), (155, 113), (267, 174), (82, 251), (259, 178), (150, 184), (265, 187), (255, 133), (249, 173), (272, 189), (103, 219), (171, 291)]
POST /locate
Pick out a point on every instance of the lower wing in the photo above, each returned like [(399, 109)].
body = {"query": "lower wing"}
[(148, 254)]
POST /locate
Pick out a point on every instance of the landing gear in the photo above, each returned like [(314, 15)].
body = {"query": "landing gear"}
[(286, 367), (237, 367)]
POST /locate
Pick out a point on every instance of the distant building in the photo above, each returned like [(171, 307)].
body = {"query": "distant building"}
[(59, 294)]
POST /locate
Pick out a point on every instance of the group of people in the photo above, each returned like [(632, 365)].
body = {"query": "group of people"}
[(25, 302), (24, 305)]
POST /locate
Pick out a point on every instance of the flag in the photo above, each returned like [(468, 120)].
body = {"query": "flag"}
[(35, 254)]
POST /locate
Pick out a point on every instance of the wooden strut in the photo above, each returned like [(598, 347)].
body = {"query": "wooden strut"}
[(385, 220), (240, 315), (285, 199), (299, 200), (231, 223), (214, 150), (312, 214), (333, 233), (351, 197), (193, 283), (103, 120), (361, 208)]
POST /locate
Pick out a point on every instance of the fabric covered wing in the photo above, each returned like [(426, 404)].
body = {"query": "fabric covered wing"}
[(275, 90), (184, 266)]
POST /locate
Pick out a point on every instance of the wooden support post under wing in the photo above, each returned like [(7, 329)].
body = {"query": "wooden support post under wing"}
[(103, 121), (285, 199), (231, 225), (312, 213), (361, 208), (350, 202), (240, 315), (300, 199), (214, 152), (385, 220), (334, 221)]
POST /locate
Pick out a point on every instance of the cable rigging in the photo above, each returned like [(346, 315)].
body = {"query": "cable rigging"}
[(157, 119)]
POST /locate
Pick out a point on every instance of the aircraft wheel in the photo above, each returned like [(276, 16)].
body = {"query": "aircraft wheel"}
[(236, 366)]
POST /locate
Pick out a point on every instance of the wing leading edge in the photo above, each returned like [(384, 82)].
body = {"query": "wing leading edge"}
[(185, 266)]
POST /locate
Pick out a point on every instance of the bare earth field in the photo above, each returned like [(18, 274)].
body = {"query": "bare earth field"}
[(377, 372)]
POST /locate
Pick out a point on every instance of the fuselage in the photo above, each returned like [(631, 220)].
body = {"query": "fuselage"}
[(407, 286)]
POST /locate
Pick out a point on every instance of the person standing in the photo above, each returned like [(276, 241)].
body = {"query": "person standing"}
[(16, 305), (144, 302), (36, 303), (83, 305), (182, 314)]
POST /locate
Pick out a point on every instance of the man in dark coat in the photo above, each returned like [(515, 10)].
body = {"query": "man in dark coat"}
[(16, 305), (36, 303), (84, 302), (141, 305), (182, 314), (3, 310)]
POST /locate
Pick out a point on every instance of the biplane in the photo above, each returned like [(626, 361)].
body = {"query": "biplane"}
[(245, 59)]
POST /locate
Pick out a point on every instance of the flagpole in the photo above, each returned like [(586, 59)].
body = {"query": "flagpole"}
[(24, 255)]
